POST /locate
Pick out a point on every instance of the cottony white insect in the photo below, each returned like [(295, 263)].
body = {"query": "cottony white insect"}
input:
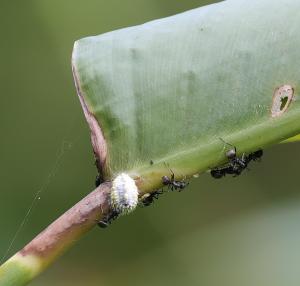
[(124, 194)]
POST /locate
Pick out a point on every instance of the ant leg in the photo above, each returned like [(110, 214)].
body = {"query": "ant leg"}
[(172, 175), (244, 156)]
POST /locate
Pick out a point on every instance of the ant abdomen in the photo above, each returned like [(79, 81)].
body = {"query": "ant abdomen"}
[(217, 173)]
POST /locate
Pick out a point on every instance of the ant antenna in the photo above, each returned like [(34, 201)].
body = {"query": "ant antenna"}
[(172, 173), (168, 166), (227, 143)]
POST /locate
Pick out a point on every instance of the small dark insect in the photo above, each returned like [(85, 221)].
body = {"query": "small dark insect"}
[(151, 162), (173, 184), (98, 181), (255, 156), (107, 220), (236, 165), (218, 173), (148, 199)]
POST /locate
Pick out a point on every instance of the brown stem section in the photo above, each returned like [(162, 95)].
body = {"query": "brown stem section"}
[(64, 231)]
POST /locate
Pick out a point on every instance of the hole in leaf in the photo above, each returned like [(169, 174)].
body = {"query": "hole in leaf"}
[(282, 98), (283, 102)]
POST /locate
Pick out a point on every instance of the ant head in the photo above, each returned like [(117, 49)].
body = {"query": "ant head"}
[(230, 154), (165, 180)]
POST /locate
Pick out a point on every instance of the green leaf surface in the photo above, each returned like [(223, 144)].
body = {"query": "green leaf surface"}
[(168, 90)]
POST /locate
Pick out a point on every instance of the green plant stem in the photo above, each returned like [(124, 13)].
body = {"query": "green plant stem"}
[(207, 155)]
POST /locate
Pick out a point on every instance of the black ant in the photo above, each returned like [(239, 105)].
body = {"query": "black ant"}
[(236, 164), (148, 199), (107, 220), (98, 180), (172, 183)]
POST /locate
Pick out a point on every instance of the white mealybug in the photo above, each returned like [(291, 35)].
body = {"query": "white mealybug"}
[(124, 194)]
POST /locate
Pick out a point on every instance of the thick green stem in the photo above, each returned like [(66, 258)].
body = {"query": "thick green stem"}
[(55, 239), (206, 155)]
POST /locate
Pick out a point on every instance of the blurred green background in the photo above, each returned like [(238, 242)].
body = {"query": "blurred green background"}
[(235, 231)]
